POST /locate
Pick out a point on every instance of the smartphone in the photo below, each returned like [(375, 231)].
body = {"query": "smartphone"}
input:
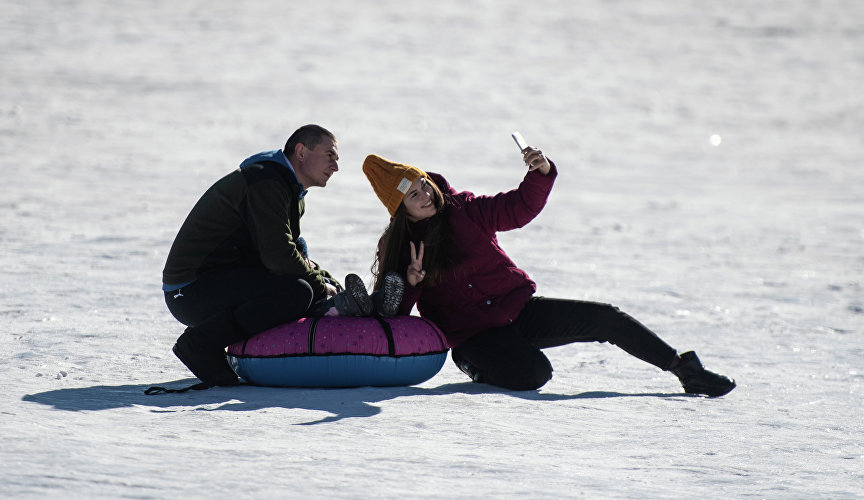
[(520, 141)]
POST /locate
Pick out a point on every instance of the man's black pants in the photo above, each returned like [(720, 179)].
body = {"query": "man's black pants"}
[(255, 299)]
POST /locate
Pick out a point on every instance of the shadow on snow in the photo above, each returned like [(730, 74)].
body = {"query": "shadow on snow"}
[(342, 403)]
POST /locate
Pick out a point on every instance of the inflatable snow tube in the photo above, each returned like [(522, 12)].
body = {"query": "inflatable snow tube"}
[(342, 352)]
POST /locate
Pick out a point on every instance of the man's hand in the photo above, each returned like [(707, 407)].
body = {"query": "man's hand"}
[(331, 290), (536, 161)]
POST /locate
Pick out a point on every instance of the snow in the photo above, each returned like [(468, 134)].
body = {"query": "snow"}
[(711, 186)]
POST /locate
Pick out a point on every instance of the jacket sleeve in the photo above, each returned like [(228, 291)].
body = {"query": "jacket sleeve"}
[(516, 208), (268, 215), (409, 298)]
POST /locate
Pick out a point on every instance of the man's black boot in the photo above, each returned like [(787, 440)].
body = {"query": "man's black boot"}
[(696, 379), (202, 349)]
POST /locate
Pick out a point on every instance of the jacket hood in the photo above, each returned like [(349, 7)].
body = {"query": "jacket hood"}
[(276, 156)]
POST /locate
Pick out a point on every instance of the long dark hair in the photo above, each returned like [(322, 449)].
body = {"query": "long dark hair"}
[(439, 253)]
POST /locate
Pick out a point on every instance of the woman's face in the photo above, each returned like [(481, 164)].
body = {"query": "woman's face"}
[(419, 201)]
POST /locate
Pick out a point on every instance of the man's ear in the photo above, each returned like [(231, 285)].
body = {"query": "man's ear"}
[(300, 150)]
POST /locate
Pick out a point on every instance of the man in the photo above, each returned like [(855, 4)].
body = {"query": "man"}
[(238, 265)]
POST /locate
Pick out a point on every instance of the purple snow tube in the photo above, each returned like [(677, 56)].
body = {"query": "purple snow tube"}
[(342, 352)]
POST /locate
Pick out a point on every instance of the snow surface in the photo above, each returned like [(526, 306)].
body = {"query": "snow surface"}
[(711, 185)]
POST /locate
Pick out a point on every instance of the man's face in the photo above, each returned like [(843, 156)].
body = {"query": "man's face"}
[(318, 164)]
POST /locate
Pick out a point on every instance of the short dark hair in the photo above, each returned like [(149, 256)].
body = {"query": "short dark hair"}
[(307, 135)]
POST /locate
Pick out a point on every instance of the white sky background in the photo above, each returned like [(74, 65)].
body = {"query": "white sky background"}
[(114, 120)]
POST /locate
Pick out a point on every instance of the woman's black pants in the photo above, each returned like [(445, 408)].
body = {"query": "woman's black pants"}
[(509, 356)]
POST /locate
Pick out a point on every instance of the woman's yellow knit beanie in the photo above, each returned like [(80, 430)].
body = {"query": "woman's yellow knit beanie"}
[(390, 180)]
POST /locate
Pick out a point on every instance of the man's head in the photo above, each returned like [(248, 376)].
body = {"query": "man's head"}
[(312, 151)]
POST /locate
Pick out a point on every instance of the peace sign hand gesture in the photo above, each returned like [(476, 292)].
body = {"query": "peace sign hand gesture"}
[(415, 273)]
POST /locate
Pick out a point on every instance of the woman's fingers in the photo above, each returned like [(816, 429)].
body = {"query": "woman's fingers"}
[(415, 276), (416, 257), (415, 273), (529, 153), (535, 160), (532, 155)]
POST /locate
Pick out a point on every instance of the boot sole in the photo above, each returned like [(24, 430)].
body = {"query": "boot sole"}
[(357, 290), (393, 289), (713, 394)]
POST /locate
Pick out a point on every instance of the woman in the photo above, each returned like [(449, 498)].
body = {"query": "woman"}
[(444, 244)]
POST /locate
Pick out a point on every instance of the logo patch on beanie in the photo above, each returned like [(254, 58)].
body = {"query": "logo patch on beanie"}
[(403, 186)]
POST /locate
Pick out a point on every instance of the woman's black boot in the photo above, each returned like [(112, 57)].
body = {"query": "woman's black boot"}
[(391, 297), (696, 379)]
